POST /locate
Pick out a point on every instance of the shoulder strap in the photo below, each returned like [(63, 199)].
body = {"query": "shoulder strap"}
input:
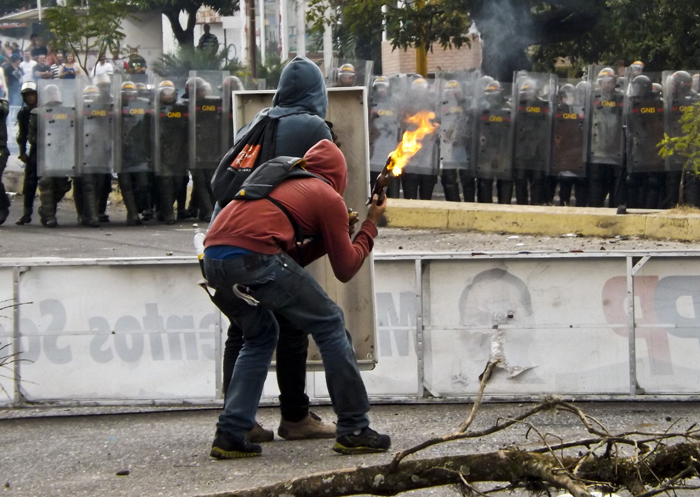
[(298, 231)]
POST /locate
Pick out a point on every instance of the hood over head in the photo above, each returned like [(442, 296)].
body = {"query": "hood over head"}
[(326, 160), (301, 87)]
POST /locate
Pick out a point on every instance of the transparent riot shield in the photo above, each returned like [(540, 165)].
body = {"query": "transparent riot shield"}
[(133, 148), (170, 126), (678, 95), (56, 127), (456, 119), (95, 108), (347, 109), (533, 97), (604, 116), (4, 92), (492, 139), (644, 118), (208, 137), (349, 72), (421, 96), (569, 119), (384, 121)]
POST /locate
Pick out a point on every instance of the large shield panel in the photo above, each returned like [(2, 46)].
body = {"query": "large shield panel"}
[(644, 118), (604, 117), (133, 148), (533, 95), (345, 73), (208, 138), (347, 109), (384, 121), (456, 119), (569, 122), (421, 95), (96, 127), (492, 140), (56, 127), (170, 127), (679, 94)]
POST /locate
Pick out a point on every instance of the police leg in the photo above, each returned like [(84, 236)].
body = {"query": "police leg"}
[(427, 185), (449, 185), (167, 198), (205, 198), (485, 190), (596, 189), (373, 175), (394, 188), (78, 197), (126, 185), (31, 181), (538, 188), (4, 199), (633, 191), (193, 207), (104, 188), (409, 181), (90, 194), (655, 187), (672, 189), (521, 187), (143, 194), (468, 185), (47, 208), (581, 197), (504, 189), (181, 195), (566, 185)]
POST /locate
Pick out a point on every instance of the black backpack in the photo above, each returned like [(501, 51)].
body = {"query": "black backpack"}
[(255, 148), (260, 183)]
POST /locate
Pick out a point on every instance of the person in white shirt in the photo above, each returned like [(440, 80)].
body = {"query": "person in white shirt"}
[(26, 67), (117, 62), (102, 66)]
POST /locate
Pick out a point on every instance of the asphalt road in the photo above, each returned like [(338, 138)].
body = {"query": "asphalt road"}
[(61, 452)]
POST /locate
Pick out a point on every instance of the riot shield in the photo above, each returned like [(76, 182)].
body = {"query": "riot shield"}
[(604, 117), (644, 118), (56, 127), (133, 150), (384, 121), (456, 119), (4, 92), (569, 121), (207, 136), (533, 97), (95, 109), (678, 95), (421, 95), (170, 127), (492, 139), (345, 73)]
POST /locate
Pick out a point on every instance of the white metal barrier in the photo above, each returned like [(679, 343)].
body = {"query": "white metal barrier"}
[(583, 325)]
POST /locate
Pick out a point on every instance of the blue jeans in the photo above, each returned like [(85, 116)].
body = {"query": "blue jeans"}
[(281, 286)]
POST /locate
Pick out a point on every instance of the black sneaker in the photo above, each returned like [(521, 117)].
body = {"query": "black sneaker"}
[(367, 442), (227, 447)]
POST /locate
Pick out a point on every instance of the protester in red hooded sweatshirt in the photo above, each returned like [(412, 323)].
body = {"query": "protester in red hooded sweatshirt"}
[(250, 253)]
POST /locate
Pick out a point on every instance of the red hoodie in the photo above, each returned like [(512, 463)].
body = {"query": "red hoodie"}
[(319, 208)]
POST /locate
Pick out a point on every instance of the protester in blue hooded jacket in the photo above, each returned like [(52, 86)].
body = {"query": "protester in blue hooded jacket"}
[(300, 104)]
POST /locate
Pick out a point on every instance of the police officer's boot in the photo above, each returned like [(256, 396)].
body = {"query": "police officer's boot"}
[(103, 188), (521, 192), (450, 186), (28, 203), (485, 191), (505, 191), (47, 209), (89, 202), (167, 199), (127, 190), (538, 189), (468, 186)]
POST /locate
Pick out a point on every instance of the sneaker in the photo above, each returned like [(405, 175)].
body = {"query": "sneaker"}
[(227, 447), (367, 442), (259, 434), (310, 427)]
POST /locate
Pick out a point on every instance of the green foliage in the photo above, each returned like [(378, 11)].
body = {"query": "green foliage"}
[(187, 58), (90, 29), (271, 70), (687, 145)]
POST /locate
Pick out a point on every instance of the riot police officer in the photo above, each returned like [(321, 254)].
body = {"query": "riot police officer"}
[(383, 132), (636, 69), (4, 152), (567, 148), (31, 179), (420, 174), (455, 142), (346, 76)]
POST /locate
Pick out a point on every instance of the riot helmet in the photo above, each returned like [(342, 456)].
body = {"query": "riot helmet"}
[(657, 89), (28, 92), (129, 91), (493, 93), (453, 90), (52, 93), (567, 94), (641, 86), (528, 89), (346, 75), (419, 87), (682, 82), (194, 83), (167, 92), (581, 92), (607, 80), (90, 94), (636, 68), (232, 83), (380, 87), (142, 90)]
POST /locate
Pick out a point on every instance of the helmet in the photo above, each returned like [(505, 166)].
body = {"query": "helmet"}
[(492, 88), (29, 86), (167, 91), (682, 81), (419, 84), (380, 81), (528, 89), (657, 89), (567, 94), (129, 89), (90, 93), (637, 68), (142, 90), (232, 83), (346, 75), (641, 86), (606, 73), (453, 89), (52, 93)]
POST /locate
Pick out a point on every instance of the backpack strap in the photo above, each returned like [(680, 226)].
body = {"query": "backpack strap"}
[(298, 231)]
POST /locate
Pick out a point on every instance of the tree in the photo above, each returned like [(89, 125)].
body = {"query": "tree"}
[(90, 29), (172, 9)]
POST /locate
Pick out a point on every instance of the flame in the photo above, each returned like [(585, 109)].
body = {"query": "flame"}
[(411, 142)]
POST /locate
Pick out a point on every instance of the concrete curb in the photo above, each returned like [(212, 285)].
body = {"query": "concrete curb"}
[(542, 220)]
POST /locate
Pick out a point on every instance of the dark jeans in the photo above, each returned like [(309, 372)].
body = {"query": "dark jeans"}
[(280, 286)]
